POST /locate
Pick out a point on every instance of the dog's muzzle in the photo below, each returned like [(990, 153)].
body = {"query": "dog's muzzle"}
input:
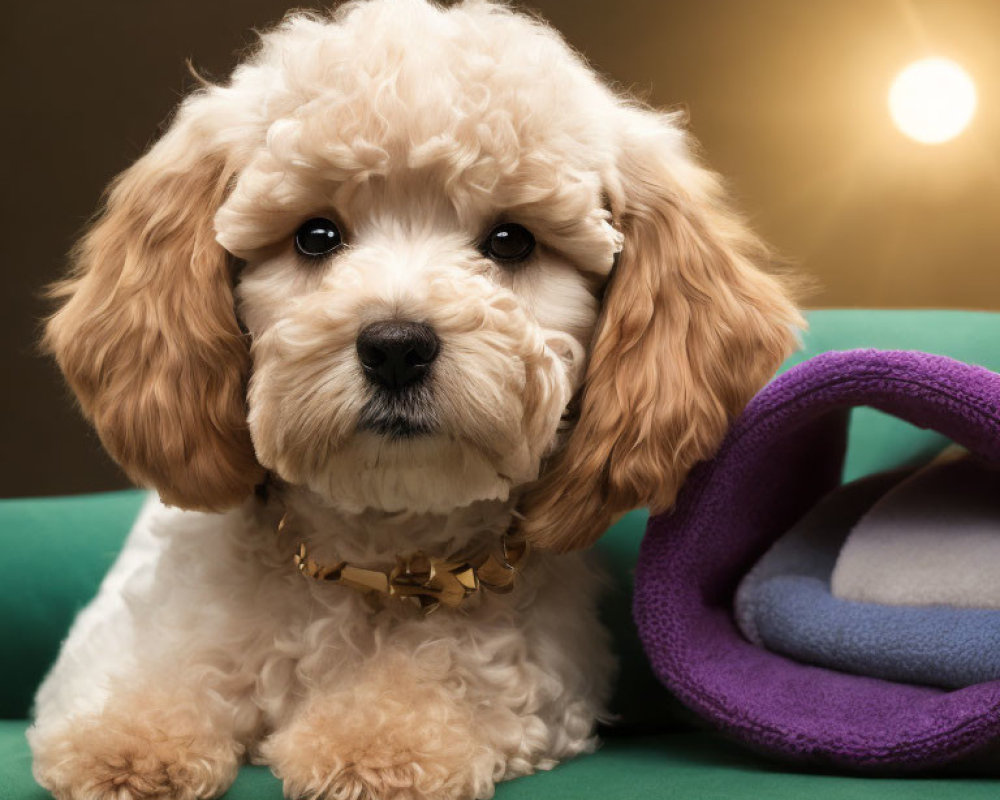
[(397, 358)]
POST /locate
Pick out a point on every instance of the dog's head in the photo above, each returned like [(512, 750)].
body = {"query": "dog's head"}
[(411, 258)]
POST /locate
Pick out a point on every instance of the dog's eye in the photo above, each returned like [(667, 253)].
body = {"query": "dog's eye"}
[(317, 237), (508, 242)]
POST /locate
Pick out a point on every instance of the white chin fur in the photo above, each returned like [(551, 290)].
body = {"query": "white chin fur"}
[(428, 474)]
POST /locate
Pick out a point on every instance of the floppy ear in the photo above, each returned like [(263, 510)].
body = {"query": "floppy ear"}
[(690, 329), (146, 333)]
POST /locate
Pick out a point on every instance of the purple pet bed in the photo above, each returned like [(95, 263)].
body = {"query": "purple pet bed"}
[(785, 453)]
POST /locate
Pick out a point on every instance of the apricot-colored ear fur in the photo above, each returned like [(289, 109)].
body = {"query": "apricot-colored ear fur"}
[(690, 330), (146, 333)]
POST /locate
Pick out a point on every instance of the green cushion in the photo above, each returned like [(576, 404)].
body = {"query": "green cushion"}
[(628, 768), (55, 552), (57, 549)]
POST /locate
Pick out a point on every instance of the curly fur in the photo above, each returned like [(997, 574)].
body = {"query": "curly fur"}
[(208, 354)]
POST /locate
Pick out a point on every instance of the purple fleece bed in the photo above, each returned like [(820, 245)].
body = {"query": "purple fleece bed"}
[(785, 453)]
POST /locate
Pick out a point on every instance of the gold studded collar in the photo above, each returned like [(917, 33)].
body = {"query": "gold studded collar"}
[(429, 581)]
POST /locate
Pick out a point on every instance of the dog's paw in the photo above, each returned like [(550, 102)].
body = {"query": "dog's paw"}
[(117, 759), (383, 745)]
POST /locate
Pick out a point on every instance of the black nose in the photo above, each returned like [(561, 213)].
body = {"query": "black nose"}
[(397, 354)]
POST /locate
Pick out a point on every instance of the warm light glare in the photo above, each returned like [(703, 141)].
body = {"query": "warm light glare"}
[(932, 100)]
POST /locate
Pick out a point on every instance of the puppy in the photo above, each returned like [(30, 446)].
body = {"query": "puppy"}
[(410, 292)]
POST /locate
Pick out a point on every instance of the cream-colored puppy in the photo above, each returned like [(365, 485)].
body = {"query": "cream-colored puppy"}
[(416, 282)]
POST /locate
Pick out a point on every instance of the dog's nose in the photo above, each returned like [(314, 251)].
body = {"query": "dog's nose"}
[(397, 354)]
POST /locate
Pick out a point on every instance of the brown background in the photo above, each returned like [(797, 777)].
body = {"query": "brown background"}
[(787, 97)]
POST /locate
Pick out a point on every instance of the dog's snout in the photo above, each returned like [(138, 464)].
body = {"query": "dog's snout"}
[(397, 354)]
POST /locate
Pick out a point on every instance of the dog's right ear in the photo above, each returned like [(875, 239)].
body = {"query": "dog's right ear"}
[(691, 327), (146, 333)]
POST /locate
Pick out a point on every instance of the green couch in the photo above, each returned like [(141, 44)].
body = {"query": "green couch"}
[(55, 551)]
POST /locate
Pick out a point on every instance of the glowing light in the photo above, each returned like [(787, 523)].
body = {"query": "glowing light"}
[(932, 100)]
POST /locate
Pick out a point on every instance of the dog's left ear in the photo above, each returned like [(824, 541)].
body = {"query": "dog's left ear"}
[(690, 329), (145, 332)]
